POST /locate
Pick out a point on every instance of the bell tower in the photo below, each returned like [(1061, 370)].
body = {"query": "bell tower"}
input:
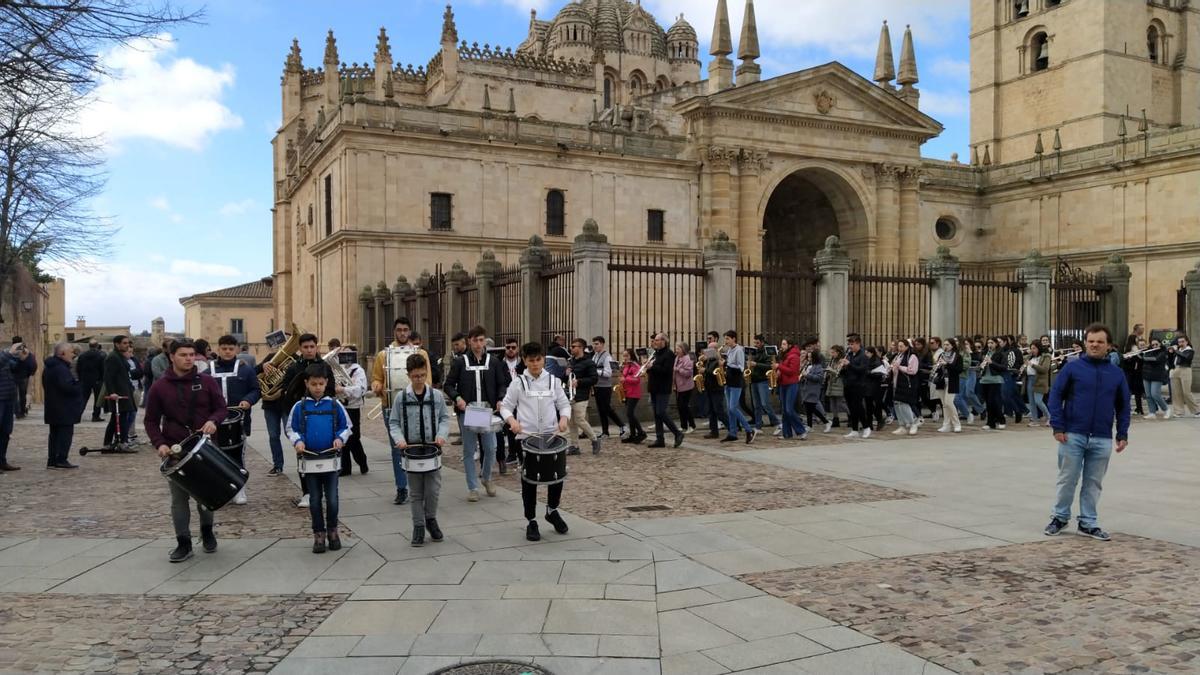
[(1078, 67)]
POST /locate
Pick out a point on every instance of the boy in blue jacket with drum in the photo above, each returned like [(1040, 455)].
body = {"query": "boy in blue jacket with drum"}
[(319, 425), (419, 417)]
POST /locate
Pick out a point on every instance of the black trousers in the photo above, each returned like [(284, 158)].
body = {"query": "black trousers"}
[(529, 498), (354, 447), (683, 401), (995, 404), (22, 394), (716, 407), (813, 408), (508, 448), (635, 427), (855, 409), (873, 407), (92, 390), (604, 406), (661, 418), (59, 444)]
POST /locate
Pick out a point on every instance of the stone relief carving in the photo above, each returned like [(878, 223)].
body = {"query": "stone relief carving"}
[(825, 101)]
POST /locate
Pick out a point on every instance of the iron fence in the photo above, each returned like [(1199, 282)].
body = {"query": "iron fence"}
[(777, 301), (1076, 300), (558, 298), (989, 302), (651, 292), (889, 302), (468, 306), (506, 305), (433, 328)]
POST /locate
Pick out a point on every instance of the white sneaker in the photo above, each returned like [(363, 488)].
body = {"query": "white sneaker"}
[(828, 426), (866, 432), (1167, 414), (958, 428), (804, 436), (852, 434), (303, 503), (970, 418), (889, 420), (1001, 426), (241, 497), (778, 431), (943, 429), (912, 431), (900, 430), (1149, 416), (920, 421)]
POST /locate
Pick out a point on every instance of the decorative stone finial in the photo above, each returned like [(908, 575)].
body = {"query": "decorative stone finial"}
[(381, 290), (487, 265), (535, 252), (402, 286), (487, 98), (833, 243), (1121, 130), (449, 30), (987, 155), (331, 51), (833, 256), (383, 50), (908, 61), (1037, 147), (365, 294), (512, 101), (293, 63), (885, 64), (1115, 259), (943, 263), (1057, 145), (721, 242), (591, 233), (722, 40), (748, 72)]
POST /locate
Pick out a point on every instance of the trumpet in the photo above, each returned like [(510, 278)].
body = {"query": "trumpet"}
[(645, 367)]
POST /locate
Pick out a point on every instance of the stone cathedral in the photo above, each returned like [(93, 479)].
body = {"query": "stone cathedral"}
[(1084, 131)]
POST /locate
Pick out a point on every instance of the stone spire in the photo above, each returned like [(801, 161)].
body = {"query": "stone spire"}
[(331, 53), (449, 30), (487, 98), (748, 72), (383, 50), (332, 82), (294, 64), (908, 70), (720, 69), (885, 68)]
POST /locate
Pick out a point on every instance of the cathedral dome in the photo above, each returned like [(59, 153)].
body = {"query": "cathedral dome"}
[(606, 22), (682, 31), (573, 25)]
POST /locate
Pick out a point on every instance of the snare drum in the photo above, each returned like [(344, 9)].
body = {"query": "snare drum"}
[(320, 462), (478, 417), (231, 434), (545, 460), (203, 471), (421, 458)]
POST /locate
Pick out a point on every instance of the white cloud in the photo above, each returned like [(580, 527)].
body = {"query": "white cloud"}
[(182, 267), (238, 208), (955, 69), (153, 95), (939, 104), (163, 204)]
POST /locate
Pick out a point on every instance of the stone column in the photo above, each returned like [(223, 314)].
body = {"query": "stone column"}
[(364, 300), (1191, 281), (887, 216), (532, 259), (720, 284), (1114, 307), (943, 311), (421, 286), (717, 163), (751, 163), (910, 215), (401, 289), (1037, 274), (381, 294), (833, 292), (455, 279), (485, 275), (590, 254)]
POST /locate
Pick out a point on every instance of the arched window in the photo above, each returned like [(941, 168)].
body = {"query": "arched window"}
[(637, 84), (1039, 52), (608, 91), (1152, 43), (555, 213)]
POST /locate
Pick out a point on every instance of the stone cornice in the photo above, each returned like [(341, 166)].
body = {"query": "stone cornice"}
[(804, 121)]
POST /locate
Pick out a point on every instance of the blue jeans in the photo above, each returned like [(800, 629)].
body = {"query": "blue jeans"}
[(1154, 397), (971, 393), (1037, 404), (1013, 405), (7, 410), (1086, 456), (323, 485), (471, 442), (274, 420), (762, 403), (735, 420), (792, 424), (398, 471)]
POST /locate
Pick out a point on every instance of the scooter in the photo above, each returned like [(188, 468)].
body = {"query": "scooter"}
[(117, 448)]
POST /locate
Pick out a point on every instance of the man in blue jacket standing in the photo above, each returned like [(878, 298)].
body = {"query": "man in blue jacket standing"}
[(1087, 395)]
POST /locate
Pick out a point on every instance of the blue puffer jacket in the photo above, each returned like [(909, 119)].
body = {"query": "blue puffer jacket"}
[(1087, 394)]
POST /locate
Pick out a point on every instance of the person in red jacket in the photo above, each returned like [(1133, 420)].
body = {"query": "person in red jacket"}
[(789, 385), (181, 403), (632, 383)]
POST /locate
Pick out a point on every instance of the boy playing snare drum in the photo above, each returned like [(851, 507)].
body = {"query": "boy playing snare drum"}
[(316, 425), (536, 404), (419, 417)]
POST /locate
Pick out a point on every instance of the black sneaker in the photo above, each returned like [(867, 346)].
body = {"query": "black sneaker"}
[(729, 439), (418, 536), (531, 532), (208, 539), (678, 440), (435, 532), (711, 435), (560, 525), (183, 551), (750, 436), (401, 496), (573, 450), (1054, 527), (657, 444), (275, 471), (1094, 533)]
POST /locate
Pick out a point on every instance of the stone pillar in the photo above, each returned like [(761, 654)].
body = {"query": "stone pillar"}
[(381, 294), (364, 301), (532, 259), (833, 292), (720, 284), (1191, 281), (717, 163), (887, 216), (455, 279), (399, 290), (910, 215), (1037, 274), (943, 311), (418, 317), (1115, 304), (485, 276), (590, 255), (751, 163)]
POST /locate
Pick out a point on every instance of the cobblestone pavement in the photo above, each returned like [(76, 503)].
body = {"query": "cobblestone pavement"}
[(140, 634), (124, 495), (1071, 605), (687, 481)]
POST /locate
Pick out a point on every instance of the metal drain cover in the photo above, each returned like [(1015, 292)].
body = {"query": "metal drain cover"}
[(493, 668), (650, 507)]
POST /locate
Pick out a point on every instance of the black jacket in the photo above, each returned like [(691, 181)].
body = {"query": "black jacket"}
[(908, 387), (9, 365), (660, 376), (461, 382), (90, 366), (760, 365), (854, 375), (64, 397), (951, 372), (294, 388), (586, 376), (116, 381)]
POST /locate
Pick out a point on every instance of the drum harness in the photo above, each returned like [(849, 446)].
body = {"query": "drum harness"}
[(190, 405), (223, 377), (478, 370), (525, 385), (426, 400)]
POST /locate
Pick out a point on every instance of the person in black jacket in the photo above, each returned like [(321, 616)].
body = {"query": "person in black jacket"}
[(118, 390), (477, 378), (853, 371), (10, 363), (63, 405), (294, 390), (581, 377), (25, 371), (948, 370), (90, 368), (659, 379)]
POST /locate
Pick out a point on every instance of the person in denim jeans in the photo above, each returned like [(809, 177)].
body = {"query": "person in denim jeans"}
[(760, 386), (380, 383), (735, 381), (317, 424), (788, 367), (1087, 395)]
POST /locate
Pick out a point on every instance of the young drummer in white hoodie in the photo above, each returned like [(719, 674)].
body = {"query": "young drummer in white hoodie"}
[(536, 404)]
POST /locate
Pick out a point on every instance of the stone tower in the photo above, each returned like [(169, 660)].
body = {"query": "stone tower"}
[(158, 329), (1077, 66)]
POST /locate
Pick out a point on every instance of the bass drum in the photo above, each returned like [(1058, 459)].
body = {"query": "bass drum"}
[(545, 460), (203, 471)]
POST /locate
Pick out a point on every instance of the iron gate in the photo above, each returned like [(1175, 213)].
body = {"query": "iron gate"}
[(777, 301), (889, 302), (654, 292), (506, 305), (558, 298), (989, 302), (1076, 300)]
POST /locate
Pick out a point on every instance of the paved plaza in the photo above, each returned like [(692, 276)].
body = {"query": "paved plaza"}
[(899, 555)]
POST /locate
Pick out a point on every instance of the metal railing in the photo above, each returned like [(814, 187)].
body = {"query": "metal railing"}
[(889, 302), (777, 301), (654, 292)]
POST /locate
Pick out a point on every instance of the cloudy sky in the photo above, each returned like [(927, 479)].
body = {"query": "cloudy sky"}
[(189, 121)]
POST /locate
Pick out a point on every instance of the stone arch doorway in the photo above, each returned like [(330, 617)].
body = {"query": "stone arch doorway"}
[(804, 208)]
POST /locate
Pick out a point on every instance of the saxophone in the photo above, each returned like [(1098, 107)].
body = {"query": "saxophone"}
[(619, 392), (720, 370), (699, 378), (272, 384), (773, 375)]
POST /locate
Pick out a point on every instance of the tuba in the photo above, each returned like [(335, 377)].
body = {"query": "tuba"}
[(272, 384)]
